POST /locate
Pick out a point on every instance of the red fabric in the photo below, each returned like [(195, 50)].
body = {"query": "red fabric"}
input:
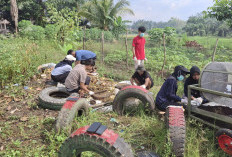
[(136, 87), (139, 44), (69, 104), (108, 135)]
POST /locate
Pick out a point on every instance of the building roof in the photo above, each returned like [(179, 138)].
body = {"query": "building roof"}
[(4, 21)]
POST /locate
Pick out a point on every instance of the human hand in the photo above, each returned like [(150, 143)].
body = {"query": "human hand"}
[(143, 86), (200, 100), (184, 101), (135, 59), (91, 93)]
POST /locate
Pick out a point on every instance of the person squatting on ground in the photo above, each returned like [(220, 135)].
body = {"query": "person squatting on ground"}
[(167, 94), (62, 69), (82, 55), (192, 80), (138, 47), (142, 78), (78, 79)]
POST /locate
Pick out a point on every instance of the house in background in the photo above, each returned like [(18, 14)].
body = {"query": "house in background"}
[(3, 26)]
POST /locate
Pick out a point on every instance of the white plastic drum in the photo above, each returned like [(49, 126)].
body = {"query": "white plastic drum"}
[(214, 77)]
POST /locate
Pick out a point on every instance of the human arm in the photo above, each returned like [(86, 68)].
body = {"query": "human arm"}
[(171, 91), (84, 87), (132, 81), (186, 84), (133, 48), (147, 81)]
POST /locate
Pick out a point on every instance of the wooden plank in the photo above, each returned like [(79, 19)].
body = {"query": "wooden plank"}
[(219, 117), (204, 122)]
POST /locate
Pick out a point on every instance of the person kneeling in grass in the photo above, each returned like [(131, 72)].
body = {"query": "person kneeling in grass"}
[(78, 79), (142, 78), (167, 94), (191, 80), (62, 69)]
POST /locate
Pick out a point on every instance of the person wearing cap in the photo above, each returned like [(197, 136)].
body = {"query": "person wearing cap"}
[(78, 79), (142, 78), (167, 94), (138, 47), (62, 69)]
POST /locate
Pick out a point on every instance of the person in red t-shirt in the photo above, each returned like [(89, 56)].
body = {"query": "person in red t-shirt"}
[(139, 47)]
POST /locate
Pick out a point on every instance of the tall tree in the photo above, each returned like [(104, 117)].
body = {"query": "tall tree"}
[(14, 13), (32, 10), (102, 12), (221, 10), (200, 25)]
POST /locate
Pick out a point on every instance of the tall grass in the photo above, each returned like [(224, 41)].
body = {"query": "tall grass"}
[(20, 58)]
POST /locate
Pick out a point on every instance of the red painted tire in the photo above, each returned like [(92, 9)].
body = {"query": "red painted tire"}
[(133, 92), (109, 144), (69, 111), (175, 122), (224, 138)]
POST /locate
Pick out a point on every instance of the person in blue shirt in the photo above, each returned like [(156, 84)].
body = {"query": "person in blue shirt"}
[(167, 94), (82, 56), (62, 69)]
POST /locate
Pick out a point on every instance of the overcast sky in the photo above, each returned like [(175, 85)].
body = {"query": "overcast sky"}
[(163, 10)]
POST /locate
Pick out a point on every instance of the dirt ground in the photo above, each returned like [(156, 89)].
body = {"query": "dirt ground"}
[(19, 111)]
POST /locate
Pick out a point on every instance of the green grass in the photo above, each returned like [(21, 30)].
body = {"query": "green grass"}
[(210, 42), (21, 57), (37, 137)]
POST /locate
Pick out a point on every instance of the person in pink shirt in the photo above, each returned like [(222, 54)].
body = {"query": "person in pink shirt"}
[(139, 47)]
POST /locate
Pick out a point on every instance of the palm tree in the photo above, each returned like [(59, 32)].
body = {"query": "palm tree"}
[(101, 13), (14, 13)]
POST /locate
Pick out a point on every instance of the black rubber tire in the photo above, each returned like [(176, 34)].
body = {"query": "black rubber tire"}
[(176, 129), (48, 102), (122, 95), (147, 154), (66, 116), (85, 142), (222, 132)]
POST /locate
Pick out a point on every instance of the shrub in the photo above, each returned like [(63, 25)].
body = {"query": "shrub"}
[(24, 24), (51, 31), (95, 34), (30, 31)]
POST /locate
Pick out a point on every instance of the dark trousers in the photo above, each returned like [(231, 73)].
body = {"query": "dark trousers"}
[(163, 106), (87, 82), (60, 78)]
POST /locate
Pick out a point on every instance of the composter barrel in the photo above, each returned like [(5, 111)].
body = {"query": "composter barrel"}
[(217, 76)]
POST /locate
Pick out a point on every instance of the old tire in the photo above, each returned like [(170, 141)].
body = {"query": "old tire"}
[(70, 111), (53, 98), (109, 144), (175, 122), (133, 92), (224, 139)]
